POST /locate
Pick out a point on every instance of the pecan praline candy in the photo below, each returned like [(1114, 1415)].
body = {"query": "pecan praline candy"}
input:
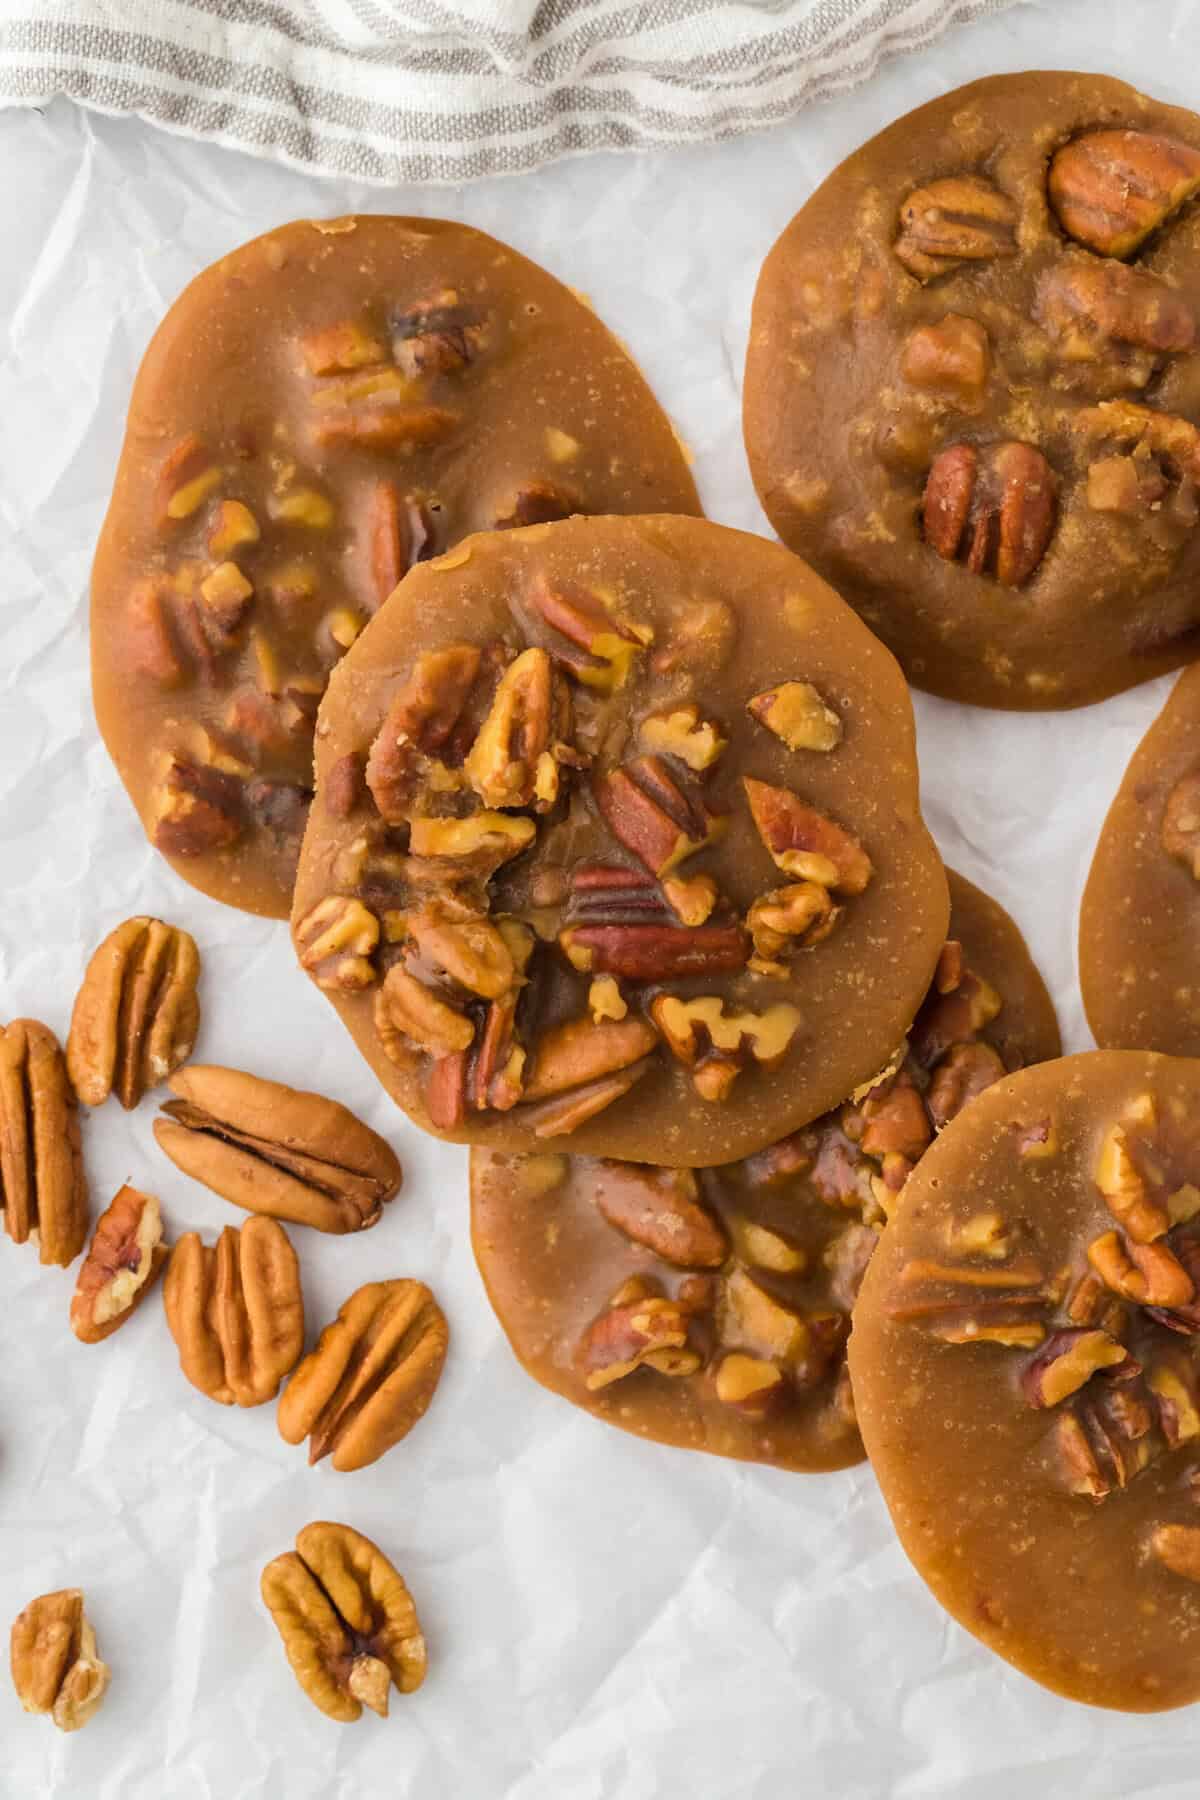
[(970, 386), (319, 410), (637, 864)]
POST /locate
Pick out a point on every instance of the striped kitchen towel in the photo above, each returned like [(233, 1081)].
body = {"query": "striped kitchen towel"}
[(445, 90)]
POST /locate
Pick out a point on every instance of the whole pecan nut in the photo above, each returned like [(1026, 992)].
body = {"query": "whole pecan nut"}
[(41, 1169), (993, 510), (126, 1254), (277, 1150), (371, 1376), (55, 1665), (136, 1014), (347, 1621), (1111, 189), (236, 1311), (961, 218)]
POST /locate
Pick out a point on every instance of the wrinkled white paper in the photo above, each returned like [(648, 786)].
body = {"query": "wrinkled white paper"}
[(607, 1620)]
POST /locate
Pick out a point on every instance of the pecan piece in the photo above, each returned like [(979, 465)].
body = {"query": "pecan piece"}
[(787, 918), (623, 1338), (683, 733), (1181, 823), (750, 1318), (1147, 1274), (407, 1013), (56, 1667), (961, 218), (399, 535), (717, 1045), (661, 821), (1131, 485), (384, 423), (953, 1018), (797, 714), (345, 785), (564, 1113), (277, 1150), (589, 638), (41, 1170), (485, 840), (236, 1311), (540, 503), (124, 1258), (951, 360), (1177, 1547), (197, 809), (662, 1210), (465, 946), (653, 952), (767, 1249), (1111, 189), (512, 761), (1066, 1361), (347, 1621), (748, 1383), (804, 843), (439, 337), (370, 1377), (1126, 1191), (420, 721), (1146, 432), (580, 1051), (336, 349), (337, 939), (1091, 305), (993, 511), (896, 1123), (1085, 1475), (1175, 1403), (959, 1077), (136, 1014), (186, 479)]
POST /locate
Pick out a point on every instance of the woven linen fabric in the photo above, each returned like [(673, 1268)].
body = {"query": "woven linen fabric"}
[(418, 90)]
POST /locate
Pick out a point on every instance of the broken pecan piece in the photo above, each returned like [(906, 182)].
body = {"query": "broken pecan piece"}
[(961, 218), (590, 638), (197, 809), (438, 338), (623, 1338), (580, 1051), (1177, 1547), (407, 1013), (370, 1377), (787, 918), (1111, 189), (336, 941), (993, 511), (748, 1383), (1147, 1274), (124, 1258), (1066, 1361), (540, 503), (466, 947), (136, 1014), (347, 1621), (56, 1667), (661, 1209), (683, 733), (717, 1045), (420, 722), (512, 761), (951, 360), (798, 715), (399, 535), (1091, 305), (236, 1311), (804, 843), (41, 1169), (277, 1150), (1126, 1191), (653, 952), (661, 821), (959, 1077)]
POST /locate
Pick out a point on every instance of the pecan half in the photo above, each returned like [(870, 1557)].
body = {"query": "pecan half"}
[(512, 761), (653, 815), (1111, 189), (1126, 1191), (993, 511), (662, 1210), (197, 809), (804, 843), (419, 723), (336, 940), (653, 952), (1066, 1361), (236, 1311), (41, 1170), (580, 1051), (466, 946), (56, 1667), (1181, 823), (124, 1258), (136, 1014), (277, 1150), (951, 360), (589, 637), (646, 1331), (1147, 1274), (961, 218), (1091, 305), (409, 1015), (797, 714), (347, 1621), (371, 1376)]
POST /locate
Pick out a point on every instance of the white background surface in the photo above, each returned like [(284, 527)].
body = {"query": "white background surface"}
[(607, 1620)]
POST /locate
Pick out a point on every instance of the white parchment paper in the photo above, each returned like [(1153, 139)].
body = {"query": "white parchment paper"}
[(608, 1620)]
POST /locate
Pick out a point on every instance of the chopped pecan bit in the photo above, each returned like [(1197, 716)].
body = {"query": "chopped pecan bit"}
[(1183, 1319), (605, 999), (993, 511), (748, 1382), (1175, 1403), (1177, 1547), (1181, 823), (489, 838), (446, 1091), (752, 1319), (512, 762), (1023, 1274), (1091, 305), (42, 1186), (540, 503), (236, 1312), (590, 639), (420, 721), (896, 1123), (653, 952), (1111, 189), (1132, 485), (405, 1008), (683, 733), (498, 1077), (564, 1113), (399, 535), (233, 527), (787, 918), (804, 843), (976, 1326), (661, 821), (337, 940), (662, 1210), (846, 1257), (1126, 1192), (961, 218), (197, 809), (336, 349), (469, 949), (347, 1621), (345, 785), (959, 1077), (56, 1667), (385, 423), (623, 1338), (1037, 1142), (983, 1234), (1084, 1473), (951, 967), (136, 1014), (951, 360), (371, 1376), (439, 337), (150, 645), (1066, 1361), (125, 1255), (953, 1018), (798, 715), (1146, 432), (692, 899), (579, 1051), (717, 1046), (279, 808), (303, 506), (1147, 1274), (763, 1248), (186, 479)]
